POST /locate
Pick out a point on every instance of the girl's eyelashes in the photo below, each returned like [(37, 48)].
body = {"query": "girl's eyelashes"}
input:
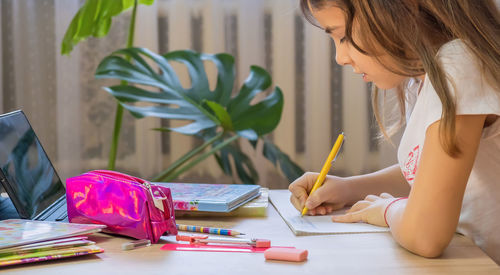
[(343, 39)]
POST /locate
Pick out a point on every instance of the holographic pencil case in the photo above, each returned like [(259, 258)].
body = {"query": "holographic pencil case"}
[(127, 205)]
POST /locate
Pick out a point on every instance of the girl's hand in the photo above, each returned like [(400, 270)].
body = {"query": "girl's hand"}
[(332, 195), (370, 210)]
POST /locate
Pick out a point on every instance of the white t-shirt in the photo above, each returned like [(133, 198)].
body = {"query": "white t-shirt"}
[(480, 214)]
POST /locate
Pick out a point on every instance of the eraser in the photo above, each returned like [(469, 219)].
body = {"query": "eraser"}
[(262, 243), (286, 254)]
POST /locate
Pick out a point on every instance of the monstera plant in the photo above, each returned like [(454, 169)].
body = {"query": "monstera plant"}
[(217, 117)]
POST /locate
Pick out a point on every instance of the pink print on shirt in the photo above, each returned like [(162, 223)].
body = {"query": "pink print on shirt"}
[(410, 167)]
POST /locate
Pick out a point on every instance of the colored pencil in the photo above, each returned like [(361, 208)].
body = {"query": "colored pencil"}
[(208, 230)]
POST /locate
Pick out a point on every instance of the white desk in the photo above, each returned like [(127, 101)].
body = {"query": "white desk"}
[(371, 253)]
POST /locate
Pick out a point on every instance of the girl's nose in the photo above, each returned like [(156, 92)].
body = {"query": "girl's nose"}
[(341, 56)]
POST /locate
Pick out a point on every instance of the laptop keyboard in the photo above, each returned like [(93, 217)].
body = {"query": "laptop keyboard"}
[(61, 212), (55, 212), (62, 217)]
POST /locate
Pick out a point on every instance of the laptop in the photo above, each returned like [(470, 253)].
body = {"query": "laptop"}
[(26, 173)]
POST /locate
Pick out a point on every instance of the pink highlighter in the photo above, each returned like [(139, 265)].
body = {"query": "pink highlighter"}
[(286, 254)]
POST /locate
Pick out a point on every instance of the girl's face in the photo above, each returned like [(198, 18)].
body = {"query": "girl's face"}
[(332, 20)]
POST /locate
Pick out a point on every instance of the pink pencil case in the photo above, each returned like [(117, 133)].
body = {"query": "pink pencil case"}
[(127, 205)]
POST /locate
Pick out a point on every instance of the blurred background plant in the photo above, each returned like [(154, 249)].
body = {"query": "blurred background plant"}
[(221, 118)]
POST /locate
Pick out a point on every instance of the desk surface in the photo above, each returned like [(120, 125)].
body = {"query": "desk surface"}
[(337, 254)]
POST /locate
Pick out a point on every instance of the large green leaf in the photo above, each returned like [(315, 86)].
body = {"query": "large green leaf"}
[(206, 112), (197, 103), (94, 19)]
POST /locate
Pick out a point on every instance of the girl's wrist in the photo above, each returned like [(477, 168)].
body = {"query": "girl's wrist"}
[(348, 191), (353, 189), (389, 205)]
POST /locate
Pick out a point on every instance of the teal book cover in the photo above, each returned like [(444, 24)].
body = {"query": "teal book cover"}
[(210, 197)]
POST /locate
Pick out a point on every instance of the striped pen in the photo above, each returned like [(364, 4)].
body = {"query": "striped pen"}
[(208, 230)]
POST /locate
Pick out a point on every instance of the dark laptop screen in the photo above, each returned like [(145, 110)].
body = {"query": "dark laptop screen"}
[(26, 171)]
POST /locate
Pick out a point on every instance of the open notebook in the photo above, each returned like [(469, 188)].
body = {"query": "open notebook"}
[(314, 225)]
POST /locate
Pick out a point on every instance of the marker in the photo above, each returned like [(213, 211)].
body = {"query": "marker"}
[(136, 244), (326, 167), (204, 239), (208, 230)]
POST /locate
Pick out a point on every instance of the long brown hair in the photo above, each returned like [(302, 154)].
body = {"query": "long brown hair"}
[(411, 32)]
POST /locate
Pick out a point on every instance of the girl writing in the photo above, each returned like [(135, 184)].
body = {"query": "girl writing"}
[(442, 60)]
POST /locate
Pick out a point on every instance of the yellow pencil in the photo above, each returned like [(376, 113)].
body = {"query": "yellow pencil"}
[(326, 166)]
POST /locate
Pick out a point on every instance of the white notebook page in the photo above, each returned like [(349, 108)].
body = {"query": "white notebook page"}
[(312, 225)]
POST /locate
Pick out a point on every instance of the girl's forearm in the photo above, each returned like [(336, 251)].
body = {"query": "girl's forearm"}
[(414, 232), (426, 222), (389, 180)]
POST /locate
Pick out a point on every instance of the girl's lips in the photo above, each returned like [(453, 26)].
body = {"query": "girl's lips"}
[(365, 78)]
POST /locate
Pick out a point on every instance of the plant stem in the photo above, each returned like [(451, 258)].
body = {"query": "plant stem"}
[(131, 29), (119, 108), (200, 158), (186, 157), (116, 135)]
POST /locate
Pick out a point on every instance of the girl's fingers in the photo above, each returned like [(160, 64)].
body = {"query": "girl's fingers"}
[(386, 196), (299, 193), (313, 212), (320, 210), (349, 217), (358, 206), (295, 202), (324, 209), (372, 198), (329, 208)]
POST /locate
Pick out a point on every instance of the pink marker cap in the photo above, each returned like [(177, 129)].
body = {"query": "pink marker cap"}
[(190, 238), (262, 243), (286, 254)]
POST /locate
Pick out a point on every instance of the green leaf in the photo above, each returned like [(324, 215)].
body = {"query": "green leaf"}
[(225, 78), (262, 117), (244, 166), (222, 114), (257, 81), (94, 18), (126, 93), (205, 108), (172, 101), (249, 134), (181, 110), (289, 168), (161, 129)]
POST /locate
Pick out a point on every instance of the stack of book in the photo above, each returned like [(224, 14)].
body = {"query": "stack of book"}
[(201, 199), (25, 241)]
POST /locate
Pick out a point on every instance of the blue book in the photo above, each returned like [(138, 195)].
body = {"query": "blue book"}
[(210, 197)]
